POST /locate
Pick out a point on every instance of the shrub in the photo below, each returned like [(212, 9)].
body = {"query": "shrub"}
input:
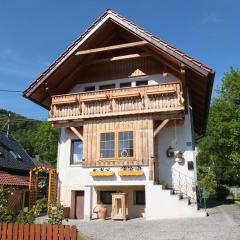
[(6, 215), (222, 192), (42, 205), (55, 214), (207, 181), (27, 216)]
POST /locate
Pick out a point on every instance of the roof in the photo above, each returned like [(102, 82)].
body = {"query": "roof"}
[(109, 13), (36, 89), (13, 156), (11, 180)]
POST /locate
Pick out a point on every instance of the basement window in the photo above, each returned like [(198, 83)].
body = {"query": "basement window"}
[(140, 197), (106, 197)]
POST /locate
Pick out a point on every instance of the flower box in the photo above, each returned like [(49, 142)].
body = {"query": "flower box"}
[(101, 173), (126, 173)]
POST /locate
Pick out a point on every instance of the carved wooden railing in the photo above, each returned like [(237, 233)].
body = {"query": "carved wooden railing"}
[(115, 102)]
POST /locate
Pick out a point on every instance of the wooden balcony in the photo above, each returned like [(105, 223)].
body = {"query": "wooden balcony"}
[(117, 102)]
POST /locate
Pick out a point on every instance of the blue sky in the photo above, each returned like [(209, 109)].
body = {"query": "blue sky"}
[(35, 33)]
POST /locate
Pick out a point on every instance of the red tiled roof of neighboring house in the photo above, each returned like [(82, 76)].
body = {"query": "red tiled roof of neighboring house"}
[(131, 25), (11, 180)]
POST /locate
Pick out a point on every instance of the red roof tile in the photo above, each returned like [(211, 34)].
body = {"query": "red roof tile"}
[(11, 180)]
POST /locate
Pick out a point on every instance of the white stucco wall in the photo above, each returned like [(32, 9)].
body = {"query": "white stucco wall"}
[(75, 178), (180, 138)]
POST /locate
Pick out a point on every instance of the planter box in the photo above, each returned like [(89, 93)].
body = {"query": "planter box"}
[(123, 173), (101, 173)]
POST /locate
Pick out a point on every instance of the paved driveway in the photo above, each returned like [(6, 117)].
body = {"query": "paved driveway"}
[(222, 224)]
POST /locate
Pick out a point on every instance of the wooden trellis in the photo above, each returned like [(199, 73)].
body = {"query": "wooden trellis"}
[(52, 185)]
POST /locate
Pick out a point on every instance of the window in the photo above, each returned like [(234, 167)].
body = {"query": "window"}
[(107, 143), (108, 86), (106, 197), (117, 145), (125, 144), (125, 84), (16, 155), (90, 88), (140, 197), (76, 152), (140, 83), (1, 154)]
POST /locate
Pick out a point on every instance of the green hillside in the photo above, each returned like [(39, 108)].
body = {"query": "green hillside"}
[(37, 137)]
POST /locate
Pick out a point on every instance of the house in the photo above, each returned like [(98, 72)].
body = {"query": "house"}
[(15, 164), (127, 104)]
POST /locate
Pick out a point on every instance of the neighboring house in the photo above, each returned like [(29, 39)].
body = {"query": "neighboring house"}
[(15, 164), (122, 97)]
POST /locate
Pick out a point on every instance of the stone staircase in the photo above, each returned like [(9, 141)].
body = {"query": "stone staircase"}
[(169, 203)]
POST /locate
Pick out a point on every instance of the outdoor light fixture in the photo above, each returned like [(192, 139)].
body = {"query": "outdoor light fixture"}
[(170, 152), (179, 157)]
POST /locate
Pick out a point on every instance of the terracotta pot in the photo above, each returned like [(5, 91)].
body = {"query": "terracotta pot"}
[(102, 213)]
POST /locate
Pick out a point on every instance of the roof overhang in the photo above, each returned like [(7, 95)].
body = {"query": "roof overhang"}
[(153, 42)]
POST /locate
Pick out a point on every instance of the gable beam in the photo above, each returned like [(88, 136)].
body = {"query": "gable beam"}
[(160, 127), (119, 58), (113, 47)]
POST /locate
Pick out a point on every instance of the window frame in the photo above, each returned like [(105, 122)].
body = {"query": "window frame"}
[(72, 163), (116, 142)]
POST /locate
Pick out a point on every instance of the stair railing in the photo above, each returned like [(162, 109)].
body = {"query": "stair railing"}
[(184, 185)]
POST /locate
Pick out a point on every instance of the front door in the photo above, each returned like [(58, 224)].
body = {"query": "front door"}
[(79, 204)]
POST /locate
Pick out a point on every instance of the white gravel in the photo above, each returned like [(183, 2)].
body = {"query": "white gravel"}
[(222, 224)]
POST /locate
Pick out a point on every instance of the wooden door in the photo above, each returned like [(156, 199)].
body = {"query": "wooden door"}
[(79, 204)]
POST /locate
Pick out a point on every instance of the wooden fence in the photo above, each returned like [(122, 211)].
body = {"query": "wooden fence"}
[(37, 232)]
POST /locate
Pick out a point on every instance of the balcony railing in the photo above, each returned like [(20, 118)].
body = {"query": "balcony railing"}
[(116, 102)]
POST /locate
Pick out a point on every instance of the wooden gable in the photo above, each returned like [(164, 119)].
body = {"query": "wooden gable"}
[(114, 48)]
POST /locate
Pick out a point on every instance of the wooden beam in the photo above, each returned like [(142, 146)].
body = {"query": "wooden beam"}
[(76, 132), (119, 58), (160, 127), (113, 47)]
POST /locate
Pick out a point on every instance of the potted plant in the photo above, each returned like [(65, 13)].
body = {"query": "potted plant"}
[(101, 173), (130, 171)]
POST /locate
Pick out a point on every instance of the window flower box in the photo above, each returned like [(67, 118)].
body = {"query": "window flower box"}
[(134, 172), (104, 173)]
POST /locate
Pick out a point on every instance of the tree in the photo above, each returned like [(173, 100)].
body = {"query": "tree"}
[(219, 150), (46, 143)]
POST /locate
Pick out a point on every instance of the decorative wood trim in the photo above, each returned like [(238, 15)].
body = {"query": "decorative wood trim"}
[(160, 127), (113, 47), (76, 132)]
